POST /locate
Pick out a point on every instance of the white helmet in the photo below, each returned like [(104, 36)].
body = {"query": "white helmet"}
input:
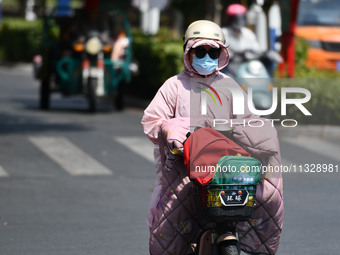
[(204, 29)]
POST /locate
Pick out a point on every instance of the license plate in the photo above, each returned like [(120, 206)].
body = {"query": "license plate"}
[(94, 72), (234, 197)]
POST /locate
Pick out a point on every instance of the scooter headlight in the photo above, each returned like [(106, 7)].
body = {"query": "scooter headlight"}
[(265, 102), (93, 46), (262, 100), (255, 67)]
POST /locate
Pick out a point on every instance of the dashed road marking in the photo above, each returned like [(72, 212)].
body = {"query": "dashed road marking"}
[(69, 157), (139, 145), (3, 173)]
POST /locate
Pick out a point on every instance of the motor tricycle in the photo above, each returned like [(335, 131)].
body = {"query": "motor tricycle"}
[(88, 63)]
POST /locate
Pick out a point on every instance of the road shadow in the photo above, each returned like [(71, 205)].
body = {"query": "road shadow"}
[(20, 124), (79, 105)]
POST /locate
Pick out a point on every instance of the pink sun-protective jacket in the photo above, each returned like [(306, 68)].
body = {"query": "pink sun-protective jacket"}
[(174, 218)]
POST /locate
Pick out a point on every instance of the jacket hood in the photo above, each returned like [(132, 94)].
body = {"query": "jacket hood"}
[(223, 60)]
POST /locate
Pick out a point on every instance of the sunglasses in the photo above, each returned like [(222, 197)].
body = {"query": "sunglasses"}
[(213, 53)]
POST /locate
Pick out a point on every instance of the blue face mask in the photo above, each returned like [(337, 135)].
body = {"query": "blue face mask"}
[(205, 65)]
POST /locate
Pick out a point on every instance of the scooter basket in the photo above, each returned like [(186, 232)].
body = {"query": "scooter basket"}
[(213, 207)]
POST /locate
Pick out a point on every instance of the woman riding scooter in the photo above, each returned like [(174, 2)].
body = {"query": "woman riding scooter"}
[(239, 38), (250, 65), (174, 217)]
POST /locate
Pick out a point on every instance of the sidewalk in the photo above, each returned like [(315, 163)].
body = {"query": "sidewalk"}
[(26, 68), (17, 69)]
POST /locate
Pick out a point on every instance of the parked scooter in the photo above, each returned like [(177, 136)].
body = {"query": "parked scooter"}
[(255, 71)]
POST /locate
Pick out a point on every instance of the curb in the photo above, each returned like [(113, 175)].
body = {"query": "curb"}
[(26, 68)]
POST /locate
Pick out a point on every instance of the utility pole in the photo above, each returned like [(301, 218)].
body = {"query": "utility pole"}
[(289, 16), (29, 14)]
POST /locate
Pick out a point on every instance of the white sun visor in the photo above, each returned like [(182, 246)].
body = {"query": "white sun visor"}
[(211, 43)]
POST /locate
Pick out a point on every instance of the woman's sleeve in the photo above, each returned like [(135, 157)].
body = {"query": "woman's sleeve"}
[(161, 108)]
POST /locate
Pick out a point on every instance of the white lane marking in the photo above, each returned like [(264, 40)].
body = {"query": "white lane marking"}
[(139, 145), (316, 145), (3, 173), (69, 156)]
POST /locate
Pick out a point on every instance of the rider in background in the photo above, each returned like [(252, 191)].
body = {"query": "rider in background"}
[(239, 38), (91, 19), (75, 28)]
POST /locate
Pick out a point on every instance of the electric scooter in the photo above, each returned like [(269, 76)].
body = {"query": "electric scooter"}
[(226, 193), (254, 70), (224, 206)]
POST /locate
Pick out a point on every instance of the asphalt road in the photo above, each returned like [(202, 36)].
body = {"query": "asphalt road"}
[(78, 183)]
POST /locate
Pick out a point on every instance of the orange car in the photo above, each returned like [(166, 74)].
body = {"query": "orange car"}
[(319, 24)]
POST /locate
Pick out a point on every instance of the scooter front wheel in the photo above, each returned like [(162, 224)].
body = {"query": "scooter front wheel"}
[(229, 248)]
